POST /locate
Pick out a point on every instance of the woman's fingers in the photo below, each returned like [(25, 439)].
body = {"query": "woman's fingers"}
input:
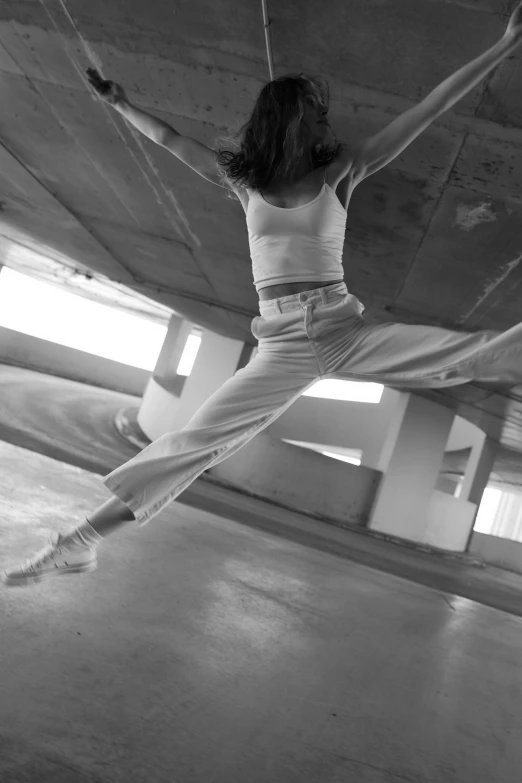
[(93, 75), (111, 92), (94, 78)]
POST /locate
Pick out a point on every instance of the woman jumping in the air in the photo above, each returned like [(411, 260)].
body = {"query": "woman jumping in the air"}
[(294, 188)]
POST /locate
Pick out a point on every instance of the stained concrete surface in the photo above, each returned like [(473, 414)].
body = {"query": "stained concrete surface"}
[(102, 200), (204, 651), (208, 649)]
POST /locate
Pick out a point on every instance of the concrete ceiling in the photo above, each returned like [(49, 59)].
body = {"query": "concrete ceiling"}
[(435, 238)]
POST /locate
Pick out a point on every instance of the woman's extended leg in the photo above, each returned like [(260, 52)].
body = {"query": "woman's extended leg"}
[(110, 516), (415, 357), (247, 403)]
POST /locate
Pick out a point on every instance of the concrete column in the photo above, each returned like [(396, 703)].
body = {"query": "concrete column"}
[(170, 400), (413, 454), (381, 438), (217, 361), (478, 470), (172, 350)]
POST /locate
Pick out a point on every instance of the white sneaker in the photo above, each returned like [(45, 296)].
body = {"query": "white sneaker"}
[(53, 560)]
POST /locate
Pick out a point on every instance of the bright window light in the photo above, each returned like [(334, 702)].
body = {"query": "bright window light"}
[(42, 310), (186, 363), (351, 460), (350, 391), (489, 504), (347, 455)]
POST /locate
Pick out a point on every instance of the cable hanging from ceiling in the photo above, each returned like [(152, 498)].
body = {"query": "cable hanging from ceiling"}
[(266, 24)]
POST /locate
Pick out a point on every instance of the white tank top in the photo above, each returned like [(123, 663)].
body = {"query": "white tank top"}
[(297, 244)]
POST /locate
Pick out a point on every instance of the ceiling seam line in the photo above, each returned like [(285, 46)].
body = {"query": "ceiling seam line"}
[(443, 187), (68, 210)]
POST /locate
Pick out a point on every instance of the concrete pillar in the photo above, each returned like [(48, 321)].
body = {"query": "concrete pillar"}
[(413, 453), (478, 470), (172, 349), (380, 439), (385, 415), (217, 360), (170, 400)]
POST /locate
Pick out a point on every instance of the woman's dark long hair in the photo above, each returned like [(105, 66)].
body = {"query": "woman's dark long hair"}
[(268, 146)]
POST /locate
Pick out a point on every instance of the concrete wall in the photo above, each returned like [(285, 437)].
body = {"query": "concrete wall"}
[(36, 354), (448, 522), (463, 435), (302, 479), (355, 425), (359, 425), (501, 552)]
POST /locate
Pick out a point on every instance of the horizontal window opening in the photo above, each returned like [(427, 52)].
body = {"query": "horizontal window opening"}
[(190, 352), (351, 460), (353, 456), (42, 310), (500, 514), (350, 391), (485, 519)]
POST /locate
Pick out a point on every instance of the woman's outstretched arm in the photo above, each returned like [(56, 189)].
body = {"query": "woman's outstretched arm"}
[(382, 148), (193, 153)]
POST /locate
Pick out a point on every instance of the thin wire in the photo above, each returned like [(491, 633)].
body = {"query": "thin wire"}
[(266, 24), (95, 60)]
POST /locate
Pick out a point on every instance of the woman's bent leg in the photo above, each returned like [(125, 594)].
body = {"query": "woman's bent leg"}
[(247, 403)]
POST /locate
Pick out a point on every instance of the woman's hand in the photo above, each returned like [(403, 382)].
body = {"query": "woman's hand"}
[(110, 92), (514, 28)]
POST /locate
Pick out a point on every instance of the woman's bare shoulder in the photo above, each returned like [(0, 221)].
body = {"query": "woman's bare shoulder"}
[(343, 166), (243, 194)]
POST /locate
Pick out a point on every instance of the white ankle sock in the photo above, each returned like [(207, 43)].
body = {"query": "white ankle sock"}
[(83, 535)]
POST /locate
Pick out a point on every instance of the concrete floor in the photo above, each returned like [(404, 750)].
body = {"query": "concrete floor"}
[(204, 650)]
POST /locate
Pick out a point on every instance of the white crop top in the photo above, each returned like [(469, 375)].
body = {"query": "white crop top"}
[(297, 244)]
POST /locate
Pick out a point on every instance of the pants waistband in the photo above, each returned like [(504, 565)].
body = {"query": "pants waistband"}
[(316, 295)]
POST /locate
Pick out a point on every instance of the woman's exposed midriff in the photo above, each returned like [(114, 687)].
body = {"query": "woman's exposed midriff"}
[(288, 289)]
